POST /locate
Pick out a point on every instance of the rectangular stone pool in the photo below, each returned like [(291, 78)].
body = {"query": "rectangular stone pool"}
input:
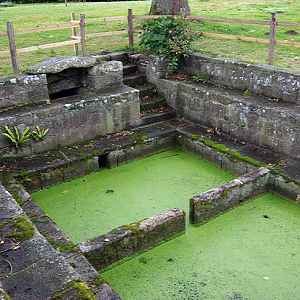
[(97, 203)]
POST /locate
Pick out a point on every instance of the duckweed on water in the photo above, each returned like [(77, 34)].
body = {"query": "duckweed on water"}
[(239, 255), (100, 202)]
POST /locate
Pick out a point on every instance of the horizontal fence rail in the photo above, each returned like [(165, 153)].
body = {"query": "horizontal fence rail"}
[(81, 38)]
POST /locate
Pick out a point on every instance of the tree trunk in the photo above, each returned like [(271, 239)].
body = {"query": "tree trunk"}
[(169, 7)]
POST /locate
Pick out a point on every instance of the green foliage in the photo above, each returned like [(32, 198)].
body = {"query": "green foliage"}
[(17, 138), (39, 134), (7, 4), (247, 93), (170, 37), (207, 79)]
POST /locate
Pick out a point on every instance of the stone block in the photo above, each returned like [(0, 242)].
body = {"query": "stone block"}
[(138, 151), (127, 240), (82, 267), (81, 168), (218, 200), (22, 90), (106, 292), (51, 177), (213, 156), (285, 187), (8, 206), (41, 279), (233, 165), (105, 74)]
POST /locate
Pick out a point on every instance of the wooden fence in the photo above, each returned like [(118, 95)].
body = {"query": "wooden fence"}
[(82, 38)]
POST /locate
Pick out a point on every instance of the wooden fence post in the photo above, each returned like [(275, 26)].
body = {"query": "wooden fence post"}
[(82, 34), (130, 27), (12, 47), (74, 34), (272, 38)]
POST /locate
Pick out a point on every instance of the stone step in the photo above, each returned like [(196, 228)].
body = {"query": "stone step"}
[(148, 103), (135, 80), (157, 116), (147, 90), (129, 69)]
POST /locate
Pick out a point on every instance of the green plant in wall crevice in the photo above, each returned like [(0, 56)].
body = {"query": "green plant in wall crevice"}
[(39, 134), (17, 137)]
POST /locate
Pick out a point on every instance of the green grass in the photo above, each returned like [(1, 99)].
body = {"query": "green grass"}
[(45, 14)]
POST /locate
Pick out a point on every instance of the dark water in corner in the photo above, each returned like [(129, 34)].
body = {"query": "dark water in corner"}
[(95, 204), (251, 252)]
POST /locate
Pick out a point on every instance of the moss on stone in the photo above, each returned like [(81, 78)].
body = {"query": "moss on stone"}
[(61, 246), (98, 280), (225, 194), (82, 291), (223, 148), (21, 227), (134, 229)]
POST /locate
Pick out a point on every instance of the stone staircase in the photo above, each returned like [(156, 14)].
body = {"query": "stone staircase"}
[(153, 107)]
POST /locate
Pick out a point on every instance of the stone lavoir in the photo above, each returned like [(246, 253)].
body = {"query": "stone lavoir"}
[(79, 99)]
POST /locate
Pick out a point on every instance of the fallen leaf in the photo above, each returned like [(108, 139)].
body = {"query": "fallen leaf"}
[(15, 248), (63, 192), (287, 268), (84, 180), (266, 277)]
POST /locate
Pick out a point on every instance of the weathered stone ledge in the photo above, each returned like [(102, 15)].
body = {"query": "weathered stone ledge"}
[(218, 200), (128, 240), (267, 80), (254, 119)]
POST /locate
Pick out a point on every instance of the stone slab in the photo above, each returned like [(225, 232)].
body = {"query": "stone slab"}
[(58, 64), (40, 280), (218, 200), (127, 240)]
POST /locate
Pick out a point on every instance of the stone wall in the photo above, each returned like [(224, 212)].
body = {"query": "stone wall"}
[(23, 90), (270, 81), (253, 119), (268, 118), (218, 200), (93, 102), (128, 240)]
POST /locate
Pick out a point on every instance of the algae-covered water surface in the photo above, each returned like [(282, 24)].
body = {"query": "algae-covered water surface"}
[(95, 204), (251, 252)]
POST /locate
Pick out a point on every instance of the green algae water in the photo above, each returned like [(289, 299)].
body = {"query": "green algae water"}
[(251, 252), (97, 203)]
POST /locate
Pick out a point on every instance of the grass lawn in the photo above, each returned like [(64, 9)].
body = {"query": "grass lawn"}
[(45, 14)]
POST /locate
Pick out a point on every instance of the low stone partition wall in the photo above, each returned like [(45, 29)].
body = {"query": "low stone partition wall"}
[(263, 79), (128, 240), (218, 200)]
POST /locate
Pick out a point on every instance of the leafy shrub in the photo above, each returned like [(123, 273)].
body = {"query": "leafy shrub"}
[(7, 4), (170, 37)]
